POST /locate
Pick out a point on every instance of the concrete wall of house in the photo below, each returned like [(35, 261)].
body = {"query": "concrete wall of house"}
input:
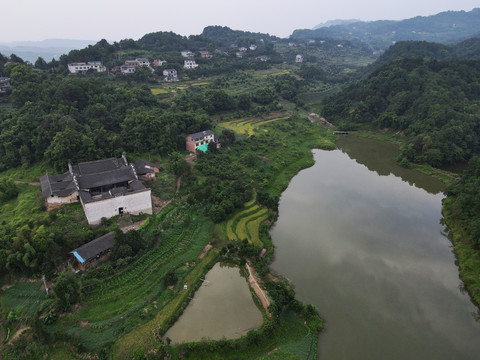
[(135, 203), (53, 200)]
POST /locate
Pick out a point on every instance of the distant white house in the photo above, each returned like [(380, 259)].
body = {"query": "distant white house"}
[(79, 67), (262, 58), (299, 58), (244, 49), (4, 85), (190, 64), (240, 54), (187, 54), (127, 69), (170, 75), (143, 62), (253, 47), (205, 54)]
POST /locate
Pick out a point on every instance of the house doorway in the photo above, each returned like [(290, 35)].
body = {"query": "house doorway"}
[(120, 211)]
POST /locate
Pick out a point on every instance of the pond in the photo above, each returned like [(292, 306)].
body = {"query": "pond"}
[(361, 239), (222, 307)]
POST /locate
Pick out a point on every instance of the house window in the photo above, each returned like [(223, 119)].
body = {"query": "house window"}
[(120, 210)]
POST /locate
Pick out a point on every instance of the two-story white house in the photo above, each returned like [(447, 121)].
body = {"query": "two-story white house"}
[(190, 64)]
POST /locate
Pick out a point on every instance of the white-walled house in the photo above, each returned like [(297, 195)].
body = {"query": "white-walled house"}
[(299, 58), (79, 67), (170, 75), (105, 188), (127, 69), (190, 64)]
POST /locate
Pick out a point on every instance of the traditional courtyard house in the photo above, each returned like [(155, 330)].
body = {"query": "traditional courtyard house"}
[(79, 67), (105, 188), (253, 47), (127, 69), (262, 58), (4, 85), (170, 75), (205, 55), (200, 140), (158, 62), (146, 170), (299, 58), (190, 64), (94, 249), (143, 62)]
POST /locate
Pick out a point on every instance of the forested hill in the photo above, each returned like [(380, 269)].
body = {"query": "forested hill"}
[(435, 103), (468, 49), (445, 27)]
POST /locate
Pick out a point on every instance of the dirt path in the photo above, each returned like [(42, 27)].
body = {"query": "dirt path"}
[(205, 251), (17, 334), (159, 204), (252, 279)]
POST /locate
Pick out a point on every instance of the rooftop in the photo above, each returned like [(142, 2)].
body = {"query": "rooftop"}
[(95, 247), (201, 134)]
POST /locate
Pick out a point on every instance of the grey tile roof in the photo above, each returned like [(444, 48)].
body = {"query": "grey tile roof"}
[(96, 247), (133, 187), (58, 185), (111, 177), (201, 134), (98, 166)]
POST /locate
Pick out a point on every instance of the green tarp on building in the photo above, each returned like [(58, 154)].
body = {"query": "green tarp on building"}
[(203, 147)]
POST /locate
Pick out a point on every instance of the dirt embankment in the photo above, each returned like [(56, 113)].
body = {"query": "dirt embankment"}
[(253, 280)]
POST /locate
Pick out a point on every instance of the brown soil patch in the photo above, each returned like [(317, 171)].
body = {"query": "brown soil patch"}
[(159, 204), (134, 226), (83, 323), (5, 287), (205, 251), (190, 158)]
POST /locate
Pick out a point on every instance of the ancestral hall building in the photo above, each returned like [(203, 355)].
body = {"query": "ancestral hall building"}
[(105, 188)]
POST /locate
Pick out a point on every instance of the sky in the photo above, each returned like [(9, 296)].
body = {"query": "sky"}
[(113, 20)]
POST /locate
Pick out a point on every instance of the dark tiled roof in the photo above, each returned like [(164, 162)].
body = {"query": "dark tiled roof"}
[(201, 134), (96, 247), (98, 166), (106, 178), (58, 185)]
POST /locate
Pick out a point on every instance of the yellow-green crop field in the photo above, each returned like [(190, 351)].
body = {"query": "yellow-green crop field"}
[(246, 224), (247, 126), (159, 91)]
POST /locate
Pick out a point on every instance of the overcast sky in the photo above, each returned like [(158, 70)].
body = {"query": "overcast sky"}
[(119, 19)]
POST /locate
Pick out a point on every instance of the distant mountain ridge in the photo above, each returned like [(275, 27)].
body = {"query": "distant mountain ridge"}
[(47, 49), (445, 27), (336, 22)]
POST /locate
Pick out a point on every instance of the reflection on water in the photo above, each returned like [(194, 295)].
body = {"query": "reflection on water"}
[(379, 156), (368, 251), (222, 307)]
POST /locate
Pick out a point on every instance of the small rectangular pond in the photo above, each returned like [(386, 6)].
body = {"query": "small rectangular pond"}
[(223, 307)]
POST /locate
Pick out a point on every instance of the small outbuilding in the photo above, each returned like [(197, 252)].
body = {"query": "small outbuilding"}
[(94, 249)]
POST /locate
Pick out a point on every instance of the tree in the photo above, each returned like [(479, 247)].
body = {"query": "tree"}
[(67, 290)]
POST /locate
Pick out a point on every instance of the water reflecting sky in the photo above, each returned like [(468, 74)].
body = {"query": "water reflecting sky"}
[(368, 251)]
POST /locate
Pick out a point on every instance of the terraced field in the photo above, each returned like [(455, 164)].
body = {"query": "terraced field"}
[(248, 126), (245, 224), (139, 288)]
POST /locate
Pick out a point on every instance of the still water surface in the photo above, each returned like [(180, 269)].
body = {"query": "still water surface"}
[(361, 239), (222, 307)]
